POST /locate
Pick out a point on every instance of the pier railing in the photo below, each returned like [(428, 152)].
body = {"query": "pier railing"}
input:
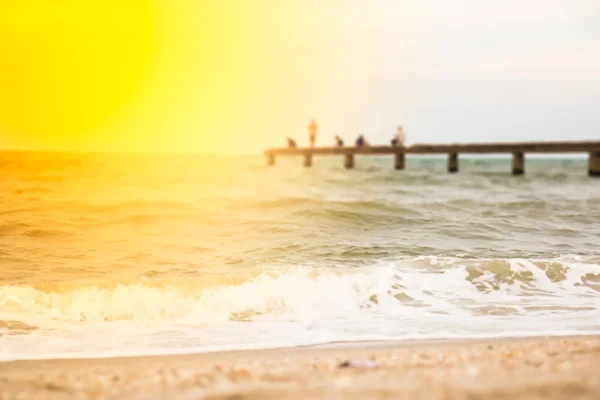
[(518, 151)]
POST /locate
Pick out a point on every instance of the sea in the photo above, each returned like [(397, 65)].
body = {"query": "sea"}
[(105, 255)]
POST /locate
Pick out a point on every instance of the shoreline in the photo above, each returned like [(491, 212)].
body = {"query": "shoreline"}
[(529, 367), (341, 344)]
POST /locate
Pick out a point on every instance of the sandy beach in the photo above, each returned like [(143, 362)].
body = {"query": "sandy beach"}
[(531, 368)]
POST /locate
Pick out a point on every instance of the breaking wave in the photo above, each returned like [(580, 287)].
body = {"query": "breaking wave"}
[(419, 286)]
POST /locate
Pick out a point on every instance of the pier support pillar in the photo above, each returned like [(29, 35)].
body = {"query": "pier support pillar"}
[(349, 160), (308, 160), (518, 163), (399, 164), (594, 164), (270, 159), (453, 162)]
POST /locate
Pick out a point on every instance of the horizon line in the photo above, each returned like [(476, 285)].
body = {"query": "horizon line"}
[(188, 153)]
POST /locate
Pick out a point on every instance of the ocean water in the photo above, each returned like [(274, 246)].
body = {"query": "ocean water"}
[(104, 255)]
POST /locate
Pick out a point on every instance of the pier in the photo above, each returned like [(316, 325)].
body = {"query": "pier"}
[(518, 151)]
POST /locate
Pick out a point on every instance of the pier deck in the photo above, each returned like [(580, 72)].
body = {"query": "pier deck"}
[(518, 151)]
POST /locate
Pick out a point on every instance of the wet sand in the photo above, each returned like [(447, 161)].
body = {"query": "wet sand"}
[(536, 368)]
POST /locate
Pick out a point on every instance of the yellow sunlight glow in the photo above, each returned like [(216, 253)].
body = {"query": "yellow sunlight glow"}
[(66, 66)]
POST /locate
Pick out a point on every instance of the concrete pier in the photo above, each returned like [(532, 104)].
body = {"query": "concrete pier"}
[(594, 164), (517, 150), (308, 160), (349, 160), (518, 163), (399, 161), (453, 163)]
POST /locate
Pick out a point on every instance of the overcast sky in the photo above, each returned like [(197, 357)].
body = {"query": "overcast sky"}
[(238, 76), (462, 70)]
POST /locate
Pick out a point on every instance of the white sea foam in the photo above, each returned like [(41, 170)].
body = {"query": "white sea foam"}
[(423, 297), (298, 294)]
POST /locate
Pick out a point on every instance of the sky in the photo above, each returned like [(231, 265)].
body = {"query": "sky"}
[(238, 76)]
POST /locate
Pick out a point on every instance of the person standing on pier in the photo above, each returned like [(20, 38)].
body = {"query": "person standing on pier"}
[(400, 138), (312, 132), (361, 141), (339, 142)]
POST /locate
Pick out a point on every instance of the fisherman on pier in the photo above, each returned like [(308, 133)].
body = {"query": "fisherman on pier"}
[(312, 132), (361, 141), (291, 143), (339, 142), (400, 138)]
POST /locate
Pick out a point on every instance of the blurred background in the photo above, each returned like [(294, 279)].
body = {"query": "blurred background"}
[(237, 76)]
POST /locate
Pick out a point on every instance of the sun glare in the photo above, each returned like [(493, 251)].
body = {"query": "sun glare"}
[(66, 66)]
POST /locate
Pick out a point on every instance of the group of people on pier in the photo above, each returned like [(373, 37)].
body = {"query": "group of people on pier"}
[(399, 138)]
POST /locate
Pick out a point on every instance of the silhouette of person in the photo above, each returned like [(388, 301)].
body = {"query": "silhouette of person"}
[(312, 132), (291, 142), (361, 141), (400, 138), (339, 142)]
